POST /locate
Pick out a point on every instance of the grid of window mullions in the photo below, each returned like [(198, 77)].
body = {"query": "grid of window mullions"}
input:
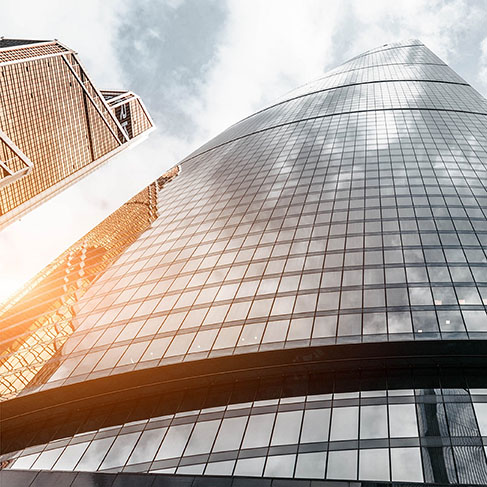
[(379, 422), (357, 197), (44, 114)]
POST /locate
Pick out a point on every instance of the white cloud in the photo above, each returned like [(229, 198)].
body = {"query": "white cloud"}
[(88, 27), (266, 49), (482, 76), (440, 24)]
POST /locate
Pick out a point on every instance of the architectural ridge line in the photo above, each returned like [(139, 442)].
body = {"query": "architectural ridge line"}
[(415, 109), (348, 85), (331, 73), (375, 51)]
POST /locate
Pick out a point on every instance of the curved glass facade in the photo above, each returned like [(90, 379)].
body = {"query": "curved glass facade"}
[(351, 214), (429, 426)]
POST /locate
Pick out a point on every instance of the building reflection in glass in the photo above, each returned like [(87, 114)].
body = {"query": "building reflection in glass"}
[(38, 320)]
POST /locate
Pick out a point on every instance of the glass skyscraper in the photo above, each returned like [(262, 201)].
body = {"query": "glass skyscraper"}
[(55, 125), (310, 303)]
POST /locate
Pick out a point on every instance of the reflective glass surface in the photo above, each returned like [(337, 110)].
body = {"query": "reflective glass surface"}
[(432, 435), (319, 226), (351, 212)]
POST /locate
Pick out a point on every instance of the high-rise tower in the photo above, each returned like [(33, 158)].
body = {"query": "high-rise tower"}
[(309, 304), (55, 125)]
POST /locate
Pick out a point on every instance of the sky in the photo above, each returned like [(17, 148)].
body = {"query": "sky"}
[(202, 65)]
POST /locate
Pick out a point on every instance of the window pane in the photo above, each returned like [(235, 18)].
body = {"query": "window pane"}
[(311, 465), (286, 429), (120, 450), (196, 469), (315, 425), (175, 441), (94, 454), (342, 465), (25, 462), (402, 420), (406, 464), (258, 430), (461, 419), (147, 446), (280, 466), (373, 422), (71, 456), (202, 438), (250, 466), (374, 464), (220, 468), (471, 465), (344, 424), (230, 434), (481, 413), (47, 458), (475, 320)]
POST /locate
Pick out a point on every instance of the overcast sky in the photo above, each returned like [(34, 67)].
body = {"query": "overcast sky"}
[(201, 65)]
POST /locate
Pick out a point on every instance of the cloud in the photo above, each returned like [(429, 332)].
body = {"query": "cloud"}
[(265, 49), (88, 27), (482, 75), (165, 50), (451, 28), (438, 23)]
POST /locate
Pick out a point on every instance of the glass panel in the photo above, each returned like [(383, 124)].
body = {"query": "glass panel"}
[(175, 441), (120, 450), (471, 465), (402, 420), (276, 331), (147, 446), (311, 465), (47, 459), (250, 466), (406, 464), (230, 434), (71, 456), (227, 337), (95, 453), (203, 341), (280, 466), (373, 422), (196, 469), (342, 465), (475, 320), (315, 425), (220, 468), (461, 419), (344, 424), (286, 429), (439, 465), (202, 437), (258, 430), (25, 462), (481, 413), (374, 464)]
